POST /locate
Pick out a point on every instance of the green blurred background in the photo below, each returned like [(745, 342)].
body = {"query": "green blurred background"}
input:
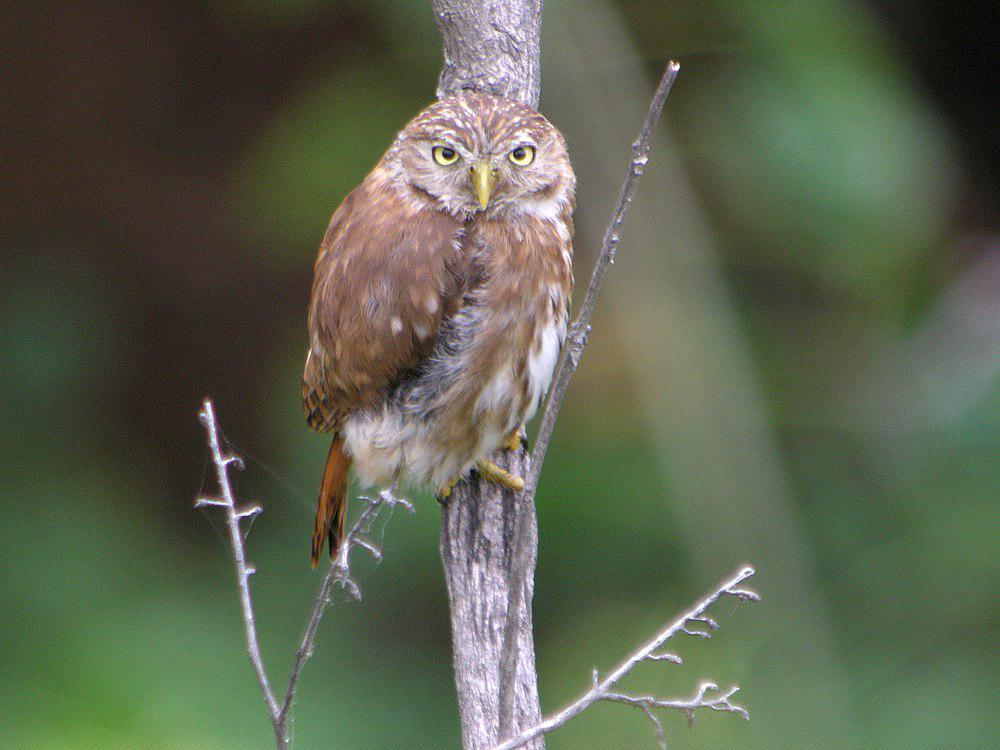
[(795, 365)]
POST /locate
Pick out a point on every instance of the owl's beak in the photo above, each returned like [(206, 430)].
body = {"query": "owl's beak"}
[(483, 180)]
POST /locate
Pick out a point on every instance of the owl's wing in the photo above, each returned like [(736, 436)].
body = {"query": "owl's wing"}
[(389, 272)]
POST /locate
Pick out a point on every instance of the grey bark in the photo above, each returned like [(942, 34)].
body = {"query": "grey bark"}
[(488, 536), (478, 545), (490, 45)]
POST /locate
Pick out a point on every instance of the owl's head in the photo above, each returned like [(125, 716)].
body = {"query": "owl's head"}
[(479, 153)]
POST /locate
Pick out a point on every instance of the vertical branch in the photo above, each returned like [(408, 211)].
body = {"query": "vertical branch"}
[(243, 571), (477, 547), (491, 46), (489, 536)]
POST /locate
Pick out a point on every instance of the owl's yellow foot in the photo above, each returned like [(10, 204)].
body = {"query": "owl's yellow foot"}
[(488, 471), (513, 441), (445, 489), (493, 473)]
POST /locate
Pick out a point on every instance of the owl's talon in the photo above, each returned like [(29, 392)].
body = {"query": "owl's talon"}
[(493, 473), (513, 441), (445, 489)]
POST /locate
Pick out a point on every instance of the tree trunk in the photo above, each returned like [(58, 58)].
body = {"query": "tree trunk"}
[(477, 530), (491, 46)]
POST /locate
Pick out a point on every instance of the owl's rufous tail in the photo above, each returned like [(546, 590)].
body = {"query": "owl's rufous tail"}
[(331, 508)]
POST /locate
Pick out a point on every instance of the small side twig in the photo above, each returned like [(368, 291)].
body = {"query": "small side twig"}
[(719, 702), (707, 696), (339, 572), (687, 706), (569, 359)]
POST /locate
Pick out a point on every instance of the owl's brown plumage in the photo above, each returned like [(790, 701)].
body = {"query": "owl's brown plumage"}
[(440, 299)]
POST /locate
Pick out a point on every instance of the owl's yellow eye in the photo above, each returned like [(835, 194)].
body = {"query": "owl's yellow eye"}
[(522, 156), (444, 155)]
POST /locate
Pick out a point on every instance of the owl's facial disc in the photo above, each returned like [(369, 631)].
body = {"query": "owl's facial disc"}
[(477, 153)]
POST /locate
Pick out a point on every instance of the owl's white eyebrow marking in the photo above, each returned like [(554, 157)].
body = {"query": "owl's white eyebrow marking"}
[(396, 325)]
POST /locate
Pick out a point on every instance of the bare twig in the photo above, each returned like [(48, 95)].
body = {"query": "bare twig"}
[(569, 359), (576, 340), (243, 571), (646, 703), (339, 572), (719, 702), (601, 689)]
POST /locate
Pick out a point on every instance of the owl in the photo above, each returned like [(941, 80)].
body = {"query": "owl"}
[(439, 302)]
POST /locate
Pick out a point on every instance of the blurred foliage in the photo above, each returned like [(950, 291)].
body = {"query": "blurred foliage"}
[(803, 345)]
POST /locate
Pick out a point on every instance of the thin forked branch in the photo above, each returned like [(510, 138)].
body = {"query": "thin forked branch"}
[(707, 696), (569, 359), (339, 572), (243, 571)]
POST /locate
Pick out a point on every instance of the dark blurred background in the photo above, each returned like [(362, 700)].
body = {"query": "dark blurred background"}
[(795, 365)]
